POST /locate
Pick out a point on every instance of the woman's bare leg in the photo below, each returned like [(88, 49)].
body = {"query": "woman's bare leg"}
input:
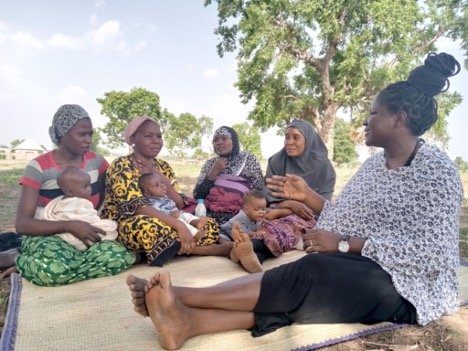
[(240, 294), (213, 250), (176, 323)]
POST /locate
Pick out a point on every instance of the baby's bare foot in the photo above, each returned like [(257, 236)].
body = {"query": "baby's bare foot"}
[(233, 256), (243, 249), (199, 235), (202, 221)]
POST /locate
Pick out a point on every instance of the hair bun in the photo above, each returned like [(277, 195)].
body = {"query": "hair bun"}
[(432, 78)]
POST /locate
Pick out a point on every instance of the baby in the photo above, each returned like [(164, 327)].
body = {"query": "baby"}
[(155, 190), (257, 236), (75, 205), (249, 218)]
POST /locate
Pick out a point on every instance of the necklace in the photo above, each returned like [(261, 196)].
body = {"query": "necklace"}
[(410, 159)]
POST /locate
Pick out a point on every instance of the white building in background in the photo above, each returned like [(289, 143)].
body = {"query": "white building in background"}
[(27, 150)]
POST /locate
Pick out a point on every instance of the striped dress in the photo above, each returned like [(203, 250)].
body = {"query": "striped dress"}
[(49, 260)]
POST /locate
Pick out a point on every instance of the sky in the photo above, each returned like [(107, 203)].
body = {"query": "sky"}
[(54, 52)]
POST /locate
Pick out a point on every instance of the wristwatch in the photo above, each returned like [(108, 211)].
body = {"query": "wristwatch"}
[(343, 245)]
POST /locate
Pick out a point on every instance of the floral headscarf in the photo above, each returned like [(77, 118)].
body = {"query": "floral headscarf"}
[(231, 134), (64, 119)]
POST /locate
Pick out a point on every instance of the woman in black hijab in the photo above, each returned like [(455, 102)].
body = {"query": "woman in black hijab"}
[(232, 170), (304, 154)]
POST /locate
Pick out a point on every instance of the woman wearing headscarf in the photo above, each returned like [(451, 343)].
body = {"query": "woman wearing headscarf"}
[(304, 154), (225, 178), (143, 229), (47, 259), (392, 256)]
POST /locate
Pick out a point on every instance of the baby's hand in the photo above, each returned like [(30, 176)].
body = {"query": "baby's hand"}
[(256, 235), (175, 214)]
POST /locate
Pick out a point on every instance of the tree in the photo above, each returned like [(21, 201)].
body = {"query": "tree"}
[(185, 132), (249, 138), (344, 148), (15, 142), (461, 164), (96, 144), (309, 58), (121, 107)]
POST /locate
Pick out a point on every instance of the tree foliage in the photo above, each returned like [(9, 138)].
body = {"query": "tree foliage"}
[(121, 107), (249, 138), (185, 132), (96, 144), (15, 142), (181, 133), (344, 148), (461, 164), (309, 58)]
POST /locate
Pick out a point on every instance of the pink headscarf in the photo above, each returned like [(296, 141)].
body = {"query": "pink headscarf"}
[(134, 125)]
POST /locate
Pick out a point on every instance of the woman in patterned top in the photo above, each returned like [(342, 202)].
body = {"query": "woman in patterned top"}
[(385, 250), (235, 166), (47, 259), (141, 227)]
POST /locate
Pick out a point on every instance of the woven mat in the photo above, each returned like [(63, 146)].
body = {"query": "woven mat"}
[(98, 314)]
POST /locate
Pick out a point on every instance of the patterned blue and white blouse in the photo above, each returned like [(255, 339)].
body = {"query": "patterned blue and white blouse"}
[(410, 218)]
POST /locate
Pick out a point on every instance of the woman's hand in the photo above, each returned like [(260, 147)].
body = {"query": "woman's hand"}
[(87, 233), (218, 167), (301, 209), (321, 240), (289, 187), (187, 243)]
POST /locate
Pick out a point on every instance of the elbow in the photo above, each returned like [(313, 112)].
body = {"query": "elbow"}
[(20, 226), (23, 225)]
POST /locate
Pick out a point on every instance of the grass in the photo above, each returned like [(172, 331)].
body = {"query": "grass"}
[(9, 193)]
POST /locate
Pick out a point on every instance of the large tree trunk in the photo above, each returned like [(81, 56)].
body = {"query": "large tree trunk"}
[(328, 126)]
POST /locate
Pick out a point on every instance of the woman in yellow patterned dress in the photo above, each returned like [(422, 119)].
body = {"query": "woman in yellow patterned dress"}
[(141, 227)]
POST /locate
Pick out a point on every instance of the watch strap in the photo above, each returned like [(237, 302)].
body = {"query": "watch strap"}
[(345, 237)]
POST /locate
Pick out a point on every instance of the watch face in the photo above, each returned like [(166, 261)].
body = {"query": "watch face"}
[(343, 246)]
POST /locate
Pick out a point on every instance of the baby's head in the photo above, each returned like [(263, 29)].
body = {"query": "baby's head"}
[(75, 183), (255, 205), (151, 184)]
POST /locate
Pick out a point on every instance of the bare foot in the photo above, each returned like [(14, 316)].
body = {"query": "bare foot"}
[(8, 258), (200, 234), (243, 249), (8, 272), (233, 256), (201, 222), (169, 316), (138, 288)]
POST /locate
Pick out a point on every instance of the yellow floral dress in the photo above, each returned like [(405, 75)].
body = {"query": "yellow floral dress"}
[(143, 233)]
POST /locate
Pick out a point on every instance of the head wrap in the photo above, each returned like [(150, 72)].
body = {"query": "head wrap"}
[(64, 119), (133, 125), (313, 165), (231, 134)]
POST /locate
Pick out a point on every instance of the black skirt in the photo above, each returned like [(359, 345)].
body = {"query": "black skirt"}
[(329, 288)]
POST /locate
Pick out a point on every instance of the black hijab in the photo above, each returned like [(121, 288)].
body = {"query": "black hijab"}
[(313, 165)]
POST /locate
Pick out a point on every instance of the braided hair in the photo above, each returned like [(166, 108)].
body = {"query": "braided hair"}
[(415, 96)]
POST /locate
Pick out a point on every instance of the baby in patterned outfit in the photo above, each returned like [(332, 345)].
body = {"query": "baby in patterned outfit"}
[(155, 190)]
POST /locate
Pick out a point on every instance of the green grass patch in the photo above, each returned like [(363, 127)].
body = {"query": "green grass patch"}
[(11, 176)]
